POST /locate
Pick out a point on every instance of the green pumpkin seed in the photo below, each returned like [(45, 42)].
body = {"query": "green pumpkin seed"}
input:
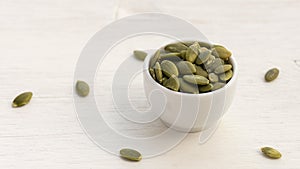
[(140, 55), (82, 88), (192, 52), (213, 77), (200, 71), (218, 85), (158, 72), (271, 152), (169, 68), (223, 68), (130, 154), (216, 63), (176, 47), (188, 87), (202, 44), (272, 74), (222, 52), (206, 88), (182, 54), (155, 58), (22, 99), (185, 67), (152, 73), (172, 83), (169, 55), (226, 76), (203, 56), (210, 61), (196, 79)]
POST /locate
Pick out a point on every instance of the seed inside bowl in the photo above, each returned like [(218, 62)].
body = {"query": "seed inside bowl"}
[(200, 67)]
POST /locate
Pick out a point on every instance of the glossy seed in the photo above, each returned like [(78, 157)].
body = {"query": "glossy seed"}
[(22, 99), (200, 71), (82, 88), (188, 87), (158, 72), (196, 79), (272, 74), (226, 76), (222, 52), (223, 68), (203, 56), (218, 85), (140, 55), (271, 152), (206, 88), (130, 154), (152, 73), (155, 58), (192, 52), (176, 47), (172, 83), (169, 68), (185, 67), (213, 77)]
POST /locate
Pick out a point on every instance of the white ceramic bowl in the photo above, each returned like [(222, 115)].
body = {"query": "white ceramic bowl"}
[(191, 112)]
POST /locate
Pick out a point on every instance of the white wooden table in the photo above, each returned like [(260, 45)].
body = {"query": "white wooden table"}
[(40, 42)]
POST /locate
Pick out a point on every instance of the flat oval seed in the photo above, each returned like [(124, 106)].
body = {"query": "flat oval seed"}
[(82, 88), (176, 47), (206, 88), (222, 52), (196, 79), (223, 68), (158, 72), (169, 68), (172, 83), (272, 74), (140, 55), (22, 99), (216, 63), (152, 73), (185, 67), (218, 85), (213, 77), (200, 71), (192, 52), (154, 59), (209, 62), (271, 152), (130, 154), (203, 56), (226, 76), (188, 87)]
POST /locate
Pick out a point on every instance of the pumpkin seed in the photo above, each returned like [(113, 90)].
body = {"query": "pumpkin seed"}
[(202, 44), (216, 63), (169, 68), (185, 67), (203, 56), (182, 54), (155, 58), (223, 68), (226, 76), (22, 99), (172, 83), (192, 52), (213, 77), (222, 52), (130, 154), (271, 152), (196, 79), (200, 71), (158, 72), (272, 74), (210, 61), (218, 85), (140, 55), (188, 87), (206, 88), (152, 73), (82, 88), (176, 47)]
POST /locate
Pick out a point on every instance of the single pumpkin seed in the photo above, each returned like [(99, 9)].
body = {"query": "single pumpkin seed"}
[(218, 85), (22, 99), (155, 58), (175, 47), (152, 73), (172, 83), (223, 68), (192, 52), (222, 52), (82, 88), (185, 67), (169, 68), (130, 154), (213, 77), (200, 71), (203, 56), (206, 88), (271, 152), (226, 76), (272, 74), (158, 72), (188, 87), (196, 79), (141, 55)]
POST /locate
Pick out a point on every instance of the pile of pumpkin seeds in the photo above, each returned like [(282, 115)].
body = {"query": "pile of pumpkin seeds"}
[(191, 67)]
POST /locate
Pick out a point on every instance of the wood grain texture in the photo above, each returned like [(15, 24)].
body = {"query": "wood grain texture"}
[(41, 41)]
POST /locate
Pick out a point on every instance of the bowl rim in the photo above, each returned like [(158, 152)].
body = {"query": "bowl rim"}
[(230, 83)]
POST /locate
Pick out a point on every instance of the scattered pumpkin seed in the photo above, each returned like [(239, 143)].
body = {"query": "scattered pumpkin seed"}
[(272, 74), (22, 99), (140, 55), (82, 88), (130, 154), (271, 152)]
